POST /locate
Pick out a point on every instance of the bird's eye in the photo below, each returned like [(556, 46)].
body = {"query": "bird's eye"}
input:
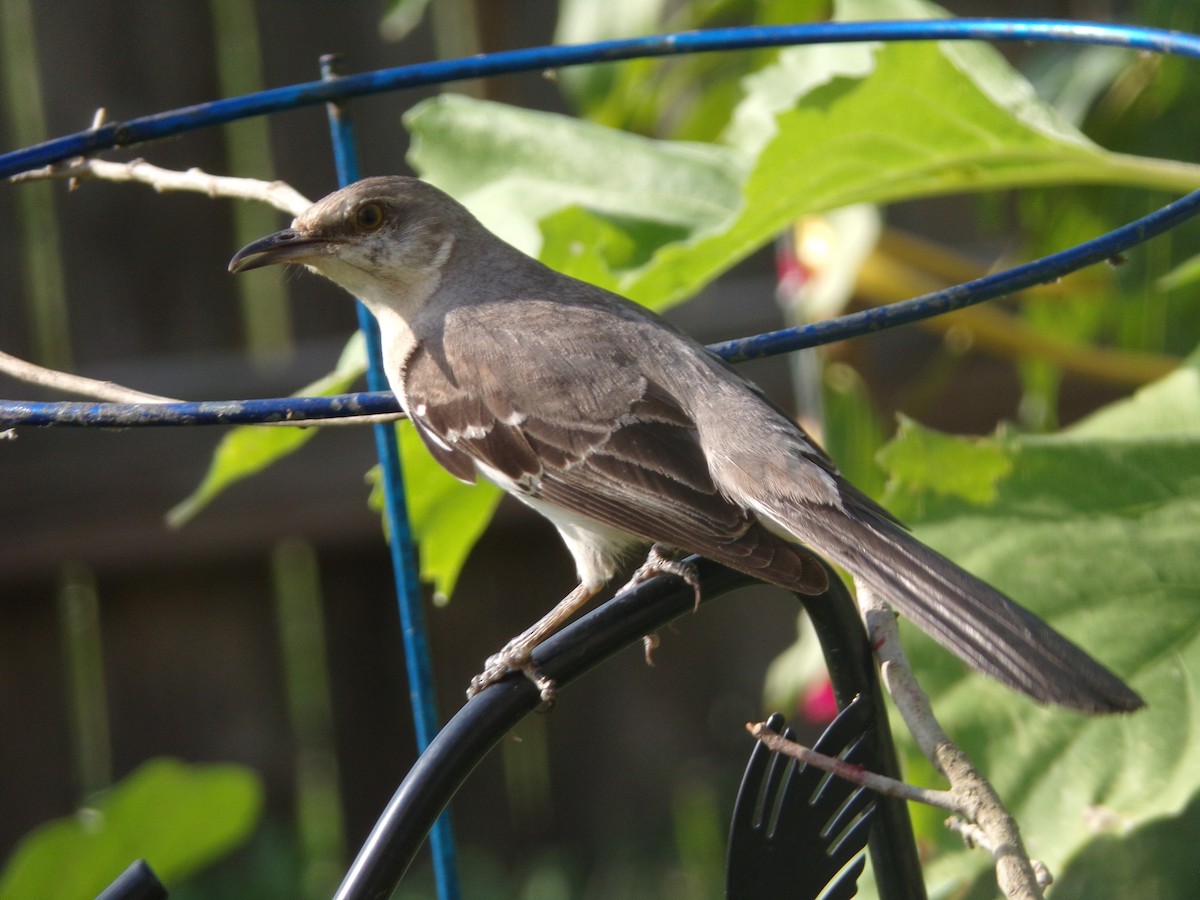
[(369, 216)]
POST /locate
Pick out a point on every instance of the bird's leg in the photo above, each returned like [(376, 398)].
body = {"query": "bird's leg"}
[(662, 560), (517, 652)]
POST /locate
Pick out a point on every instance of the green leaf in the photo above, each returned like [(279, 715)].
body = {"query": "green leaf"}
[(689, 96), (585, 21), (1157, 860), (918, 125), (919, 459), (177, 817), (513, 167), (853, 433), (249, 449), (1093, 529), (402, 17), (1185, 274), (1168, 408), (447, 516), (822, 128)]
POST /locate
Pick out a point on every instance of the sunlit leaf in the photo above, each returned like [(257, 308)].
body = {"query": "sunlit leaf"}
[(248, 449), (920, 460), (1094, 530), (401, 18), (1185, 274), (177, 817), (446, 515), (835, 126), (513, 167)]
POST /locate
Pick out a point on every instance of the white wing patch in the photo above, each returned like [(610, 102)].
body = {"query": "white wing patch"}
[(522, 487)]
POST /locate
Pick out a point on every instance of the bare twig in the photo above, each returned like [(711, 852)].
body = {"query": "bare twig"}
[(278, 194), (890, 787), (340, 421), (1015, 872), (32, 373)]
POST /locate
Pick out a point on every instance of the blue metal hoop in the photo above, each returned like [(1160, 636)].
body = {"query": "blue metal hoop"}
[(1046, 269)]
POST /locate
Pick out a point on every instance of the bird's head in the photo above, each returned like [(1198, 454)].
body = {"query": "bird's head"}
[(385, 240)]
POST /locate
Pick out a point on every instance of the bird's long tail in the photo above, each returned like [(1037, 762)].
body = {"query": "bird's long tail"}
[(967, 616)]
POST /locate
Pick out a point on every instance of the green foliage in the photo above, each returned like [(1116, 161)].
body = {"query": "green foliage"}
[(1155, 860), (821, 128), (853, 433), (248, 449), (686, 97), (177, 817), (402, 17), (514, 167), (447, 516), (921, 460), (1094, 530)]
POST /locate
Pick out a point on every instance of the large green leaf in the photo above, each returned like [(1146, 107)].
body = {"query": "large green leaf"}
[(513, 167), (177, 817), (447, 516), (1093, 529), (688, 97), (823, 127)]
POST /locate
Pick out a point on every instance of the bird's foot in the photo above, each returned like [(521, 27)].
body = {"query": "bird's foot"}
[(514, 656), (660, 561), (518, 653)]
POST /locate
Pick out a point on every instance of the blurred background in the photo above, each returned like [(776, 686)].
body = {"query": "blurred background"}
[(122, 640)]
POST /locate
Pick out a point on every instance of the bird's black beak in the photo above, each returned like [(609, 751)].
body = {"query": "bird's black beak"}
[(287, 246)]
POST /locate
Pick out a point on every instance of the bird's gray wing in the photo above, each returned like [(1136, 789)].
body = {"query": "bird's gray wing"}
[(572, 419)]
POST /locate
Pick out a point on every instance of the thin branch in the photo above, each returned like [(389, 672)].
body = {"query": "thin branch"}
[(278, 194), (881, 784), (32, 373), (342, 421), (1015, 872)]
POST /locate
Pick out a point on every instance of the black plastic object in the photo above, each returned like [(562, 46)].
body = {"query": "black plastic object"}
[(851, 663), (138, 882), (796, 830), (484, 720)]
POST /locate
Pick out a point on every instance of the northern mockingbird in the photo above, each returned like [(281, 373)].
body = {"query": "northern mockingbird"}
[(626, 433)]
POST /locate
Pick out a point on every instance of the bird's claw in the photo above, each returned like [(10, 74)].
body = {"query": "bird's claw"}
[(650, 643), (513, 656), (660, 562)]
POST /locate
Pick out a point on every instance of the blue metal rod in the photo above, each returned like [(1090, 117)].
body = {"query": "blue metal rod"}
[(422, 696), (90, 414), (147, 128), (1039, 271)]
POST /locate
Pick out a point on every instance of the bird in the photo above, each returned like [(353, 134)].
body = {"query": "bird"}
[(630, 436)]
